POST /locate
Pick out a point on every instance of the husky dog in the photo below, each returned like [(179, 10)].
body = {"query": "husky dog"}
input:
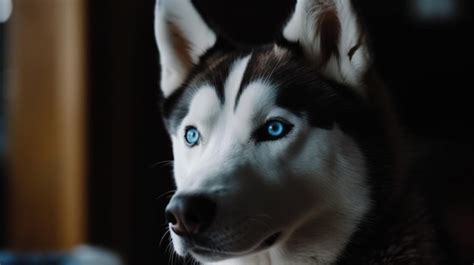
[(285, 153)]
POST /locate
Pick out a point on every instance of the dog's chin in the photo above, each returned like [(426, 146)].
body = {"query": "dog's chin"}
[(209, 255), (213, 253)]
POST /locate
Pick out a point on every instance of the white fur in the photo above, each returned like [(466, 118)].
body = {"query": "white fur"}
[(302, 27), (232, 83), (316, 197), (184, 16)]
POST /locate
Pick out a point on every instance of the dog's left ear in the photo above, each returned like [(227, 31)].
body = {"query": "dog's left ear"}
[(182, 37), (332, 37)]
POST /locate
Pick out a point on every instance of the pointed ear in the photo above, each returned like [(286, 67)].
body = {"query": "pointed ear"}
[(182, 37), (332, 38)]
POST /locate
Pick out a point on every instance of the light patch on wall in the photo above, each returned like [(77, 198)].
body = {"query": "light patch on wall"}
[(5, 10), (435, 10)]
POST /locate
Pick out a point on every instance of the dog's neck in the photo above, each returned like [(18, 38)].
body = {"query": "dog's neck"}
[(318, 241)]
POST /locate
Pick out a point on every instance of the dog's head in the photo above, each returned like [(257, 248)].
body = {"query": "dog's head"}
[(264, 140)]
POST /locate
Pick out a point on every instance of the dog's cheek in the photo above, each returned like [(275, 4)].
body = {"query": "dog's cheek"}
[(180, 162)]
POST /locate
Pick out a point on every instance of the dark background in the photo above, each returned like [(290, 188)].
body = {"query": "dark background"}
[(427, 66)]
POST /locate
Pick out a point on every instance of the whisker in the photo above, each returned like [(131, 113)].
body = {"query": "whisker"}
[(170, 192), (167, 233), (168, 251), (189, 260), (172, 254), (178, 259), (162, 163), (264, 216)]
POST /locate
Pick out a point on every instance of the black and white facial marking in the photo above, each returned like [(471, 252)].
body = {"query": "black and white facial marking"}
[(268, 164)]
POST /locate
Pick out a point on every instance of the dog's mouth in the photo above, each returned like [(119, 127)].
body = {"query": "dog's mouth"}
[(271, 240), (215, 253)]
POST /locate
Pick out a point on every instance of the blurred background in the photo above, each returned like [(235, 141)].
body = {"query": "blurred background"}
[(83, 150)]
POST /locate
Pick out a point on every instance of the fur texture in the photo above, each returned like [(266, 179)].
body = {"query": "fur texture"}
[(324, 192)]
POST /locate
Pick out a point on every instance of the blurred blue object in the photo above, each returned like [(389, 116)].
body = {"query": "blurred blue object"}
[(436, 10), (5, 10), (10, 258), (83, 255)]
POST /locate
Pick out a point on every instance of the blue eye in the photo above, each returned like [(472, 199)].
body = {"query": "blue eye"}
[(191, 136), (273, 129)]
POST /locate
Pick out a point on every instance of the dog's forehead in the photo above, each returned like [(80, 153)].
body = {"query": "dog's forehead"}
[(216, 68), (228, 74), (281, 74)]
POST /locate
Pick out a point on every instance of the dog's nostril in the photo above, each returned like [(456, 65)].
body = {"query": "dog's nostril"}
[(271, 240), (190, 214), (172, 215)]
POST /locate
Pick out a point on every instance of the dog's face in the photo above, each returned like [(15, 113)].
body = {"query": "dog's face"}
[(263, 140)]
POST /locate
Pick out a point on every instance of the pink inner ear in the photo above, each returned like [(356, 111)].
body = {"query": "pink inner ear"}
[(329, 31), (181, 45)]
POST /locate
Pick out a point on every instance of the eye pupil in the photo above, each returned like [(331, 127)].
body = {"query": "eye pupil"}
[(192, 136)]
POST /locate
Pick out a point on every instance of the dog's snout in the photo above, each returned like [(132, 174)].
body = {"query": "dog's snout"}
[(190, 214)]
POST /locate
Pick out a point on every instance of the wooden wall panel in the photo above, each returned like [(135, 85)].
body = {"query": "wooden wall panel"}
[(46, 130)]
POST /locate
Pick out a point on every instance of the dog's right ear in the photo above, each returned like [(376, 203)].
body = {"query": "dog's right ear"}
[(333, 39), (182, 37)]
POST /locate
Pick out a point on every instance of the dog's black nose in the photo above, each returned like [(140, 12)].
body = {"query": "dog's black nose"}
[(190, 214)]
